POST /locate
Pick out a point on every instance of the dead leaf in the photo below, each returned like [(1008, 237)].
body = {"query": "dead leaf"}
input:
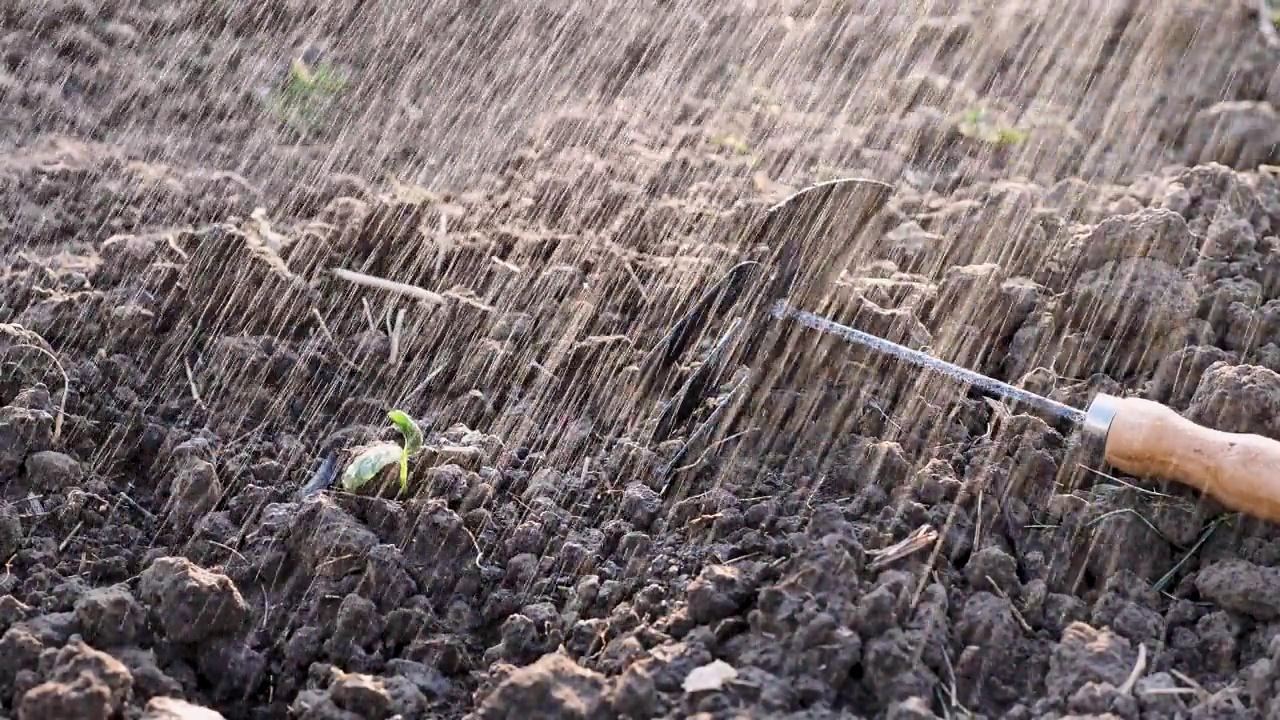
[(711, 676)]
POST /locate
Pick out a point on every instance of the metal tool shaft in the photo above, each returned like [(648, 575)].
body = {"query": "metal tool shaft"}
[(1057, 412)]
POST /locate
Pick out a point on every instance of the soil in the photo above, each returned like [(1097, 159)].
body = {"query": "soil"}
[(177, 360)]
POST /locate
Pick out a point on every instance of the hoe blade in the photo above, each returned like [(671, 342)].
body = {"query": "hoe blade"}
[(813, 234), (816, 233)]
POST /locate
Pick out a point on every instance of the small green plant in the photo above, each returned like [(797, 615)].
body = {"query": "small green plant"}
[(731, 142), (308, 95), (974, 124), (372, 460)]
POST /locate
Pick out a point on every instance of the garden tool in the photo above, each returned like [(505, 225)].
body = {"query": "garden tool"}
[(1140, 437), (812, 235), (817, 232)]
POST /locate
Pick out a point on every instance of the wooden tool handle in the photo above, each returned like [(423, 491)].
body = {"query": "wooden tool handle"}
[(1147, 439)]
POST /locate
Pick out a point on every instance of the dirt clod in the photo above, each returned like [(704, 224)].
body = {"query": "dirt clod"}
[(111, 616), (82, 682), (1223, 387), (189, 602), (553, 687), (168, 708), (194, 491), (1088, 655), (1243, 587), (51, 471), (717, 592)]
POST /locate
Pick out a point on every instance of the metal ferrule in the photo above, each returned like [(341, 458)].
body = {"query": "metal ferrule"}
[(1097, 419)]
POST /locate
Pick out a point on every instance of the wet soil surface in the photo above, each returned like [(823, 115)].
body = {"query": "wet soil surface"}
[(177, 360)]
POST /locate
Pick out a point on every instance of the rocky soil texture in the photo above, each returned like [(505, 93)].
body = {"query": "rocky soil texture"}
[(1084, 203)]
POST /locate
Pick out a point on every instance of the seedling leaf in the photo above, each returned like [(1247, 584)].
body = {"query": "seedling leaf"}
[(369, 462), (372, 460), (412, 433)]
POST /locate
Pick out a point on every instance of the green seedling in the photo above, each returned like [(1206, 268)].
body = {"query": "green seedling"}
[(975, 125), (371, 461), (732, 143), (308, 95)]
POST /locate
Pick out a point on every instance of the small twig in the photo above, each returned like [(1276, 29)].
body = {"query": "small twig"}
[(368, 315), (324, 328), (932, 562), (1017, 614), (951, 678), (952, 695), (392, 286), (1120, 484), (876, 406), (1127, 511), (442, 238), (942, 700), (172, 243), (542, 370), (999, 413), (1165, 579), (921, 538), (191, 382), (395, 337), (704, 520), (711, 448), (247, 433), (333, 560), (1118, 481), (1169, 691), (134, 504), (1139, 667), (70, 536), (66, 385), (1201, 694), (509, 267), (31, 503), (977, 520), (426, 380), (475, 545), (229, 549)]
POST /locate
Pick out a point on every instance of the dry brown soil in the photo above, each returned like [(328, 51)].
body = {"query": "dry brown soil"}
[(1083, 204)]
